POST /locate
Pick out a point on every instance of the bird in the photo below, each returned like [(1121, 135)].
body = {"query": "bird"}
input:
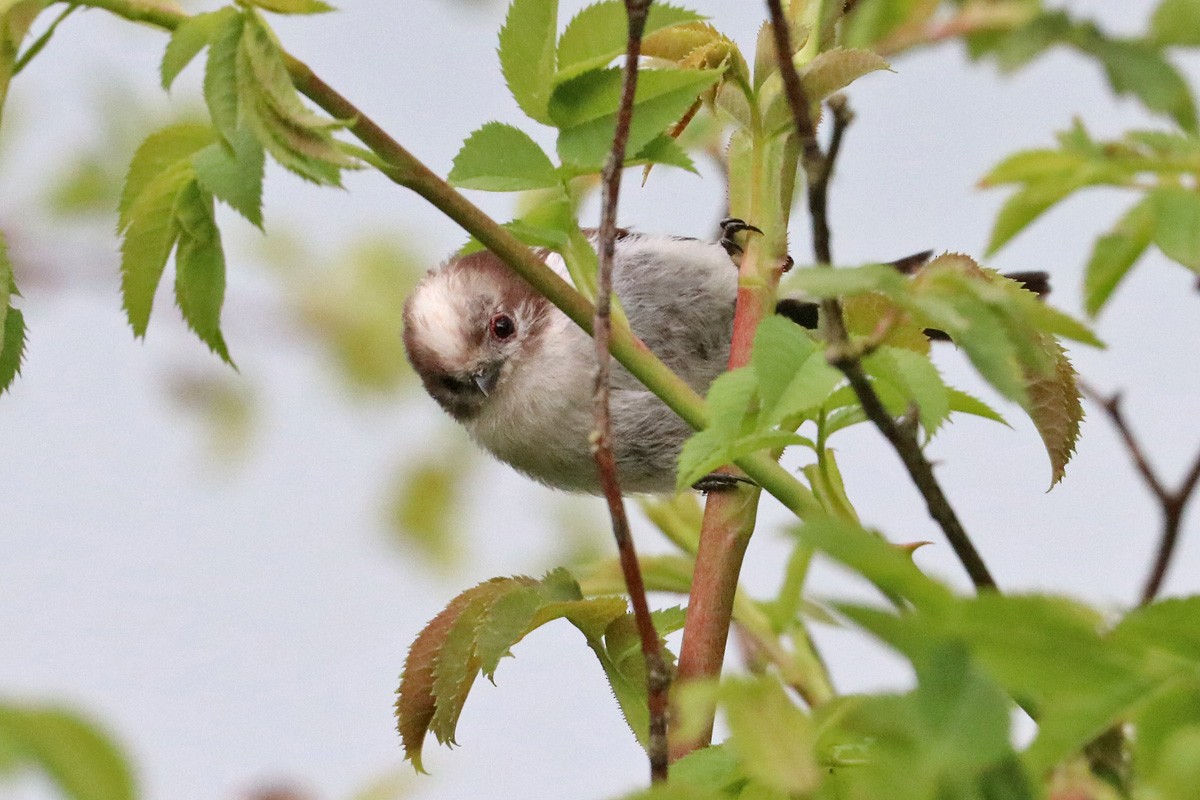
[(518, 374)]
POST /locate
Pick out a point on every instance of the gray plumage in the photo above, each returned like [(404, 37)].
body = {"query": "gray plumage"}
[(526, 397)]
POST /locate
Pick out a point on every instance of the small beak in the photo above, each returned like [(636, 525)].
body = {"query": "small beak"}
[(486, 377)]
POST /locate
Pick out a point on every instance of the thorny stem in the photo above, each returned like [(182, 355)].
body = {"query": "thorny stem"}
[(818, 167), (1172, 502), (658, 679)]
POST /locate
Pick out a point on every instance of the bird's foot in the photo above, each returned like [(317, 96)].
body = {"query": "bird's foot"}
[(720, 482), (730, 228)]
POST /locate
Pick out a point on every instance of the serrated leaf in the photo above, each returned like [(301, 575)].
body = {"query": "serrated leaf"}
[(1056, 411), (298, 138), (502, 158), (584, 109), (458, 664), (833, 70), (8, 284), (597, 34), (12, 353), (293, 6), (1115, 253), (527, 54), (163, 150), (416, 701), (234, 174), (200, 269), (187, 40), (79, 758), (1177, 224), (773, 738), (148, 238), (507, 622), (1176, 22), (221, 76)]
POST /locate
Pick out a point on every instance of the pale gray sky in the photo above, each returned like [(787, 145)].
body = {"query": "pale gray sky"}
[(239, 625)]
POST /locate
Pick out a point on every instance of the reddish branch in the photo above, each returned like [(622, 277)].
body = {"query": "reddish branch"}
[(818, 167), (1171, 502), (657, 677)]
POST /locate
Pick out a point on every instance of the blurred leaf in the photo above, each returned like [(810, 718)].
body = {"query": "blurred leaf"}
[(1115, 253), (889, 568), (1176, 22), (966, 404), (771, 736), (1140, 69), (81, 760), (425, 504), (501, 158), (1177, 224), (223, 403), (917, 380), (527, 54), (16, 16), (293, 6)]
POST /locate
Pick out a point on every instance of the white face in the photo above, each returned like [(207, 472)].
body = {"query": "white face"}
[(466, 325)]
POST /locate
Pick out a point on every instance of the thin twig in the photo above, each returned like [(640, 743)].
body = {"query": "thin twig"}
[(1172, 503), (658, 679), (819, 168)]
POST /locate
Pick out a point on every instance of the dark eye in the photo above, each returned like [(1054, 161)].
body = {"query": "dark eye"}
[(502, 326)]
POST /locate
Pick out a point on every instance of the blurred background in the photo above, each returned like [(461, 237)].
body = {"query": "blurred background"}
[(224, 569)]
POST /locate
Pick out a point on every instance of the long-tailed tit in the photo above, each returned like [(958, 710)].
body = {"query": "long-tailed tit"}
[(518, 374)]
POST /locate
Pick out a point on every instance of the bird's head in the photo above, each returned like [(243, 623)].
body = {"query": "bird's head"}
[(467, 326)]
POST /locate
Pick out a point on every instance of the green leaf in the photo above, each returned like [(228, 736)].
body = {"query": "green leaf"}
[(917, 380), (772, 737), (822, 282), (584, 109), (8, 285), (161, 151), (833, 70), (527, 54), (1025, 206), (501, 158), (1177, 224), (597, 34), (187, 40), (1138, 68), (221, 75), (82, 761), (12, 353), (662, 149), (1115, 253), (293, 6), (149, 236), (298, 138), (889, 568), (234, 174), (1031, 166), (1176, 22), (964, 403), (200, 268)]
